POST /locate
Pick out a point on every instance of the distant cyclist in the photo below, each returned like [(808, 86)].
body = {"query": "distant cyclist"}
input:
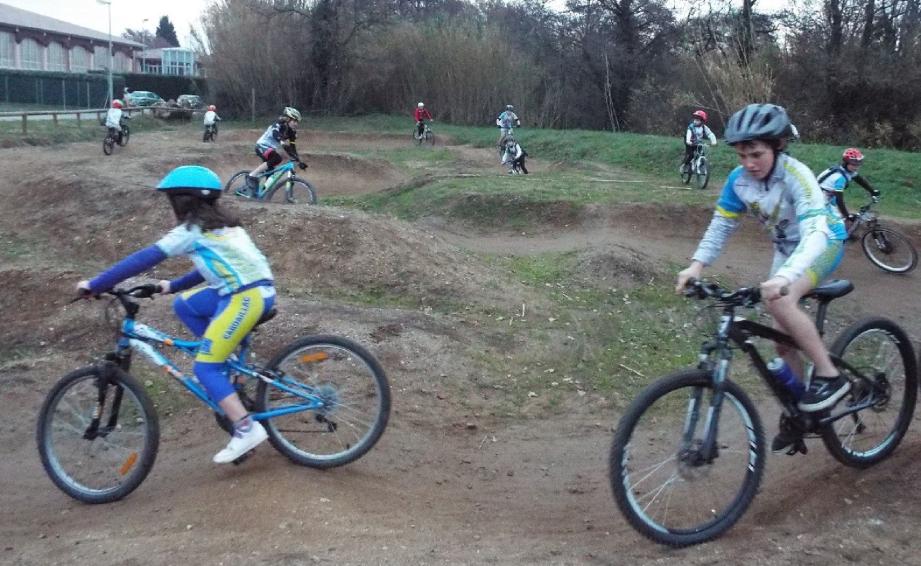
[(783, 195), (281, 134), (694, 136), (211, 120), (421, 114), (514, 156), (114, 120), (837, 177), (505, 122)]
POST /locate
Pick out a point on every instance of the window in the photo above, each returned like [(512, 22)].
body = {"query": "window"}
[(30, 54), (100, 57), (57, 57), (79, 60), (122, 62), (7, 55)]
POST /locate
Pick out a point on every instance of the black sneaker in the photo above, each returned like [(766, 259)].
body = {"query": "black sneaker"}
[(789, 438), (823, 393)]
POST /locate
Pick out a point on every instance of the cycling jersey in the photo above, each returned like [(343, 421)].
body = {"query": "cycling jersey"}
[(837, 178), (790, 204), (114, 118), (211, 117), (507, 120), (422, 114), (275, 134), (695, 134), (226, 258)]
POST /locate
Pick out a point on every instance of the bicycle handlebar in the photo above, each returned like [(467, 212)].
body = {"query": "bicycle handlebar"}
[(743, 297)]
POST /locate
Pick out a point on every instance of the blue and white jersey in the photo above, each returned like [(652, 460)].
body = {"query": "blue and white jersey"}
[(507, 119), (227, 258), (275, 134), (788, 203), (695, 134), (834, 180)]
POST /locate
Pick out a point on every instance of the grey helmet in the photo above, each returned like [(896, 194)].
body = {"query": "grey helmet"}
[(758, 122)]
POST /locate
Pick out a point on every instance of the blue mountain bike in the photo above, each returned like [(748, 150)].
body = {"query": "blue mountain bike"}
[(324, 401), (279, 185)]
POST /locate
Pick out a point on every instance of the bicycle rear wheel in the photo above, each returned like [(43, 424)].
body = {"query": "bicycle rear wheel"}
[(237, 184), (686, 172), (429, 138), (114, 461), (126, 134), (299, 192), (354, 398), (703, 174), (880, 351), (889, 250), (107, 145), (661, 483)]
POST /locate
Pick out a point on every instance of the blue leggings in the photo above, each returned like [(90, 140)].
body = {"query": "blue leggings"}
[(221, 322)]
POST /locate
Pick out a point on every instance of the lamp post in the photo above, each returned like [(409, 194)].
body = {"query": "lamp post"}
[(109, 4)]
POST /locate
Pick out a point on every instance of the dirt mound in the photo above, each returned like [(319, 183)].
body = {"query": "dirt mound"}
[(333, 140)]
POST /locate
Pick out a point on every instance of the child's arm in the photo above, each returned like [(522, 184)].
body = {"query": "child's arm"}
[(138, 262)]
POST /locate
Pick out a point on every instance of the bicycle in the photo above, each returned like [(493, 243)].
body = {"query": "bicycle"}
[(886, 248), (500, 145), (427, 135), (324, 401), (113, 137), (698, 168), (688, 438), (210, 133), (295, 189)]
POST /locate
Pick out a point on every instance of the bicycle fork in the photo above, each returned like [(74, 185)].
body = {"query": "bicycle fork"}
[(94, 431)]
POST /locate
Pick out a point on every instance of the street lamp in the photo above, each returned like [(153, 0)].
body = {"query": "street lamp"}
[(109, 4)]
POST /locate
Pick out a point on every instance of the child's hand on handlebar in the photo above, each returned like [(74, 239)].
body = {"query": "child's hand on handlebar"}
[(301, 165), (774, 288)]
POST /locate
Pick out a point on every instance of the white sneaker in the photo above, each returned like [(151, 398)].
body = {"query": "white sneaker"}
[(241, 443)]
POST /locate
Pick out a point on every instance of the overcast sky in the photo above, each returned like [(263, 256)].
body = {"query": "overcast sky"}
[(183, 13)]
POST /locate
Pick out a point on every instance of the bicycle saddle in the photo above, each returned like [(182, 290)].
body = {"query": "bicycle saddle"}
[(831, 290), (267, 316)]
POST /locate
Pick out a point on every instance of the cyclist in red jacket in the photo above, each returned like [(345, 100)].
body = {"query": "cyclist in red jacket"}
[(421, 114)]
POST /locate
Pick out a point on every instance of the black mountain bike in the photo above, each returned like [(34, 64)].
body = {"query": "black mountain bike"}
[(113, 137), (210, 133), (688, 454), (698, 168), (885, 248)]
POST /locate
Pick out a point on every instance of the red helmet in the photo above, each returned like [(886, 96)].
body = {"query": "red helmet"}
[(212, 107), (116, 103), (700, 114), (852, 155)]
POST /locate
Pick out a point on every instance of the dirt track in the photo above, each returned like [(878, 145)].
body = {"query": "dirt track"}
[(453, 481)]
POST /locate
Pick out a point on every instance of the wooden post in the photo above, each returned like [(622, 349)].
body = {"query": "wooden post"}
[(78, 119), (54, 118), (253, 107), (24, 129)]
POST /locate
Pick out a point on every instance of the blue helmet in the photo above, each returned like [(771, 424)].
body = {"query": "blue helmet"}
[(192, 180)]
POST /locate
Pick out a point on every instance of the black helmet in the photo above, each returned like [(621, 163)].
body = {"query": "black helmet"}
[(758, 122)]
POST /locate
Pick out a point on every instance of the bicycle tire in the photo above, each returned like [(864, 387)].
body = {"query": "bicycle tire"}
[(301, 192), (430, 138), (880, 243), (236, 183), (748, 459), (703, 175), (840, 435), (124, 466), (306, 357), (126, 134), (417, 137), (686, 174), (107, 145)]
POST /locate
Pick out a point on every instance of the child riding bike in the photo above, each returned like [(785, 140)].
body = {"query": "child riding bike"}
[(281, 134), (808, 242), (837, 177), (211, 120), (514, 157), (694, 136), (505, 122), (421, 114), (238, 291), (114, 120)]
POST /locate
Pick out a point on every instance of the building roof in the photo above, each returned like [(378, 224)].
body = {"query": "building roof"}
[(22, 18)]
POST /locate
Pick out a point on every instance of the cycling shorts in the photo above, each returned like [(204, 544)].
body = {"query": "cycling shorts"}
[(821, 268), (269, 155)]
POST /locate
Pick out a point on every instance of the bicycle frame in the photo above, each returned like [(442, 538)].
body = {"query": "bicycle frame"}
[(274, 176), (142, 338), (735, 332)]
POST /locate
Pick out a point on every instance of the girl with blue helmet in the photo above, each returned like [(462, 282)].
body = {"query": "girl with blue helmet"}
[(238, 288)]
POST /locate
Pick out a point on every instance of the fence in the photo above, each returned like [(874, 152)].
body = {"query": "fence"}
[(155, 111)]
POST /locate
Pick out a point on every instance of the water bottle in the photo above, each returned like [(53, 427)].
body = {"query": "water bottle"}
[(784, 375)]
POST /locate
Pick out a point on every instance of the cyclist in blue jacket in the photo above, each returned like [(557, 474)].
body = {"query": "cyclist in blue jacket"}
[(837, 178), (808, 241), (238, 288), (694, 135)]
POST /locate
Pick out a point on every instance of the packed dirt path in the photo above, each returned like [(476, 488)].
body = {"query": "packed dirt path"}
[(453, 480)]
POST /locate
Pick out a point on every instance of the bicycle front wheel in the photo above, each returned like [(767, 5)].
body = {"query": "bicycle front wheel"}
[(126, 134), (430, 138), (110, 463), (881, 352), (662, 482), (107, 145), (350, 390), (293, 191), (703, 174), (889, 250)]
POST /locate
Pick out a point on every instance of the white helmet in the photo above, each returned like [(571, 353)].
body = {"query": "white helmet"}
[(420, 105), (509, 107), (291, 113)]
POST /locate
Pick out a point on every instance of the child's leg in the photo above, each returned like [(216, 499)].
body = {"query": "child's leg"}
[(196, 308)]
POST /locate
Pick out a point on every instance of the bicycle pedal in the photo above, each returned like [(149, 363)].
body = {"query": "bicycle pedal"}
[(798, 447)]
